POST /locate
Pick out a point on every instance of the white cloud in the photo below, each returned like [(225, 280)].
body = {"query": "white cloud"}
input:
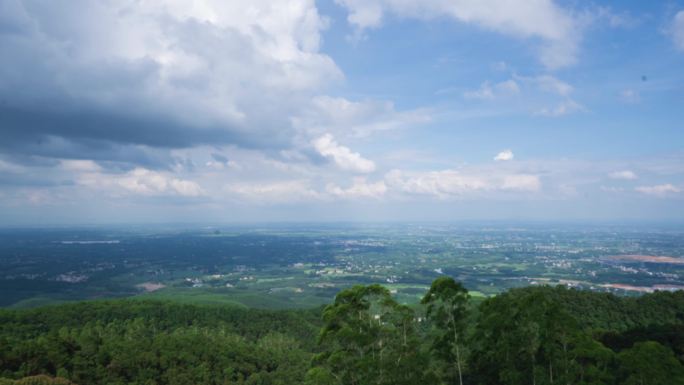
[(521, 182), (147, 182), (677, 30), (546, 83), (359, 189), (658, 190), (79, 165), (273, 192), (185, 187), (551, 84), (485, 92), (343, 157), (629, 96), (529, 93), (488, 91), (139, 181), (565, 107), (504, 155), (453, 183), (241, 65), (355, 118), (438, 183), (533, 19), (605, 15), (623, 174)]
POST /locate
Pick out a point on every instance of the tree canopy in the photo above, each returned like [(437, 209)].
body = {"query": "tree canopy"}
[(530, 336)]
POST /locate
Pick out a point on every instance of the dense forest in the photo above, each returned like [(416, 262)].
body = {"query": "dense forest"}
[(531, 336)]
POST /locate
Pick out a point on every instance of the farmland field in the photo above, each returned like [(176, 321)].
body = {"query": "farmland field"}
[(293, 266)]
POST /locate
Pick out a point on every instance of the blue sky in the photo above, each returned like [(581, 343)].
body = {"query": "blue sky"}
[(341, 110)]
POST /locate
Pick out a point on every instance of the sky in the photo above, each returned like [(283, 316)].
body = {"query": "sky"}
[(118, 111)]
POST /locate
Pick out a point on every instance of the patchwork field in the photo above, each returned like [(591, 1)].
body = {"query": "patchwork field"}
[(306, 265)]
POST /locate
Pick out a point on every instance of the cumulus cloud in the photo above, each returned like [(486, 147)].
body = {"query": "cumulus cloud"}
[(273, 192), (141, 181), (677, 30), (79, 165), (658, 190), (160, 74), (548, 83), (454, 183), (438, 183), (216, 103), (563, 108), (554, 26), (357, 118), (504, 155), (606, 15), (488, 91), (342, 156), (623, 174), (359, 189), (530, 92), (521, 182)]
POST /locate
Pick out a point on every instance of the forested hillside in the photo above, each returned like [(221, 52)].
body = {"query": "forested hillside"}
[(535, 335), (141, 342)]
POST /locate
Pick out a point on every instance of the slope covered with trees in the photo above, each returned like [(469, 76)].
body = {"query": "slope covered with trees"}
[(532, 336), (124, 342)]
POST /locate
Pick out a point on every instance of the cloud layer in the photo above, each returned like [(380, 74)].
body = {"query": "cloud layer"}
[(555, 27), (217, 107), (678, 30), (342, 156), (160, 74)]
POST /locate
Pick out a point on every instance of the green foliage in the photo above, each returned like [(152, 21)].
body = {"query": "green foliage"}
[(591, 362), (36, 380), (650, 363), (531, 336), (320, 376), (368, 338), (608, 312), (519, 336), (132, 342), (447, 306), (544, 335)]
